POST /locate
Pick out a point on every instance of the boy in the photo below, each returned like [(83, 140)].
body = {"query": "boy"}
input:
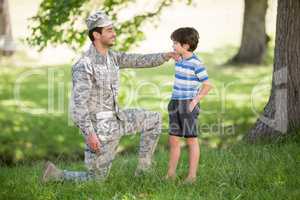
[(190, 86)]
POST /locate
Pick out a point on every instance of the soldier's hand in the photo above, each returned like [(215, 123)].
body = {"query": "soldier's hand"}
[(173, 55), (93, 142)]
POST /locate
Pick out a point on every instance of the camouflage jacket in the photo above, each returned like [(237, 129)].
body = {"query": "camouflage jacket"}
[(96, 82)]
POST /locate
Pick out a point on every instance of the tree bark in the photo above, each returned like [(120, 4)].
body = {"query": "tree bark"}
[(281, 115), (254, 37), (8, 46)]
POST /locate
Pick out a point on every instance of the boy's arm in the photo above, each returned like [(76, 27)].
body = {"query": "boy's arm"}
[(142, 60), (206, 87), (202, 76)]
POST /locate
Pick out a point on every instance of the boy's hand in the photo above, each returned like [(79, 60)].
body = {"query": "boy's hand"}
[(207, 86), (173, 55), (193, 104)]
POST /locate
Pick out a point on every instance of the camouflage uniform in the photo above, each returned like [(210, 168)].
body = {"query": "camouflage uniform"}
[(95, 109)]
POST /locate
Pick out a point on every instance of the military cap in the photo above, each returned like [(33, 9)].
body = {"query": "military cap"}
[(98, 19)]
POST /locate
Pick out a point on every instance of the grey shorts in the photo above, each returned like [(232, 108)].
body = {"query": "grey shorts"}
[(182, 122)]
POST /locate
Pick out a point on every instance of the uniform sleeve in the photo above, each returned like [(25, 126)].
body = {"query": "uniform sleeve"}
[(201, 73), (82, 84), (140, 60)]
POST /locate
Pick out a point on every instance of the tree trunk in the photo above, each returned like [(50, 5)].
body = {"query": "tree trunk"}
[(282, 113), (254, 37), (8, 46)]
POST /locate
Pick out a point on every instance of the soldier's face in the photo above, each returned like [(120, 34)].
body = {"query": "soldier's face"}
[(108, 36)]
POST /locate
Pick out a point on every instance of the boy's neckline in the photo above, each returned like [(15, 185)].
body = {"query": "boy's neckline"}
[(189, 58)]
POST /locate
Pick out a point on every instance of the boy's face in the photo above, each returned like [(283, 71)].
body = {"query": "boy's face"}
[(180, 49)]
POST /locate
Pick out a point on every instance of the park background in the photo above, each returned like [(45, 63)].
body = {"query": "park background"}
[(36, 126)]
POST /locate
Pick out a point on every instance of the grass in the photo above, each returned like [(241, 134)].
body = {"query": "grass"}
[(240, 172), (35, 126)]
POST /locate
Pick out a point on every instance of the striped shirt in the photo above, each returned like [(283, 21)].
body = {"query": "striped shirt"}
[(189, 75)]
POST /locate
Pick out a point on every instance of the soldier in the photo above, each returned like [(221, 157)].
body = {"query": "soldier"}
[(94, 105)]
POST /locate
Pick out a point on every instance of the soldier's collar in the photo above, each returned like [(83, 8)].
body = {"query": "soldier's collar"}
[(95, 54)]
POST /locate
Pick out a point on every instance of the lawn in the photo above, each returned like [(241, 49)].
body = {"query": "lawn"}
[(35, 126)]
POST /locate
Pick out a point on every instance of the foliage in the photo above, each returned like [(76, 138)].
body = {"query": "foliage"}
[(61, 22)]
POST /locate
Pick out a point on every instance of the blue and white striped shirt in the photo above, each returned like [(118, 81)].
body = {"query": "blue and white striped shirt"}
[(189, 75)]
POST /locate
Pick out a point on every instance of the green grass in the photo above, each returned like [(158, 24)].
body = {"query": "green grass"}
[(241, 172), (36, 128)]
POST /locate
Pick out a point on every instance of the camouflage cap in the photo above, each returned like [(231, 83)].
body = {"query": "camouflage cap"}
[(98, 19)]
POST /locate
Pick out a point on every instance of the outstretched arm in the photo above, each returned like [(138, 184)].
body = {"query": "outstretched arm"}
[(142, 60)]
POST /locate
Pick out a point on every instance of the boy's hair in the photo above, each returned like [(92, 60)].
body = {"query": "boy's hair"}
[(186, 35), (97, 29)]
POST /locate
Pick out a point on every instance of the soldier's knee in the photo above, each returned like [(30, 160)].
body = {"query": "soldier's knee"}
[(154, 122), (155, 118), (158, 117)]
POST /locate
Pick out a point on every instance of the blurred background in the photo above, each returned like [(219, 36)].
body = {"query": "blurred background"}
[(218, 27)]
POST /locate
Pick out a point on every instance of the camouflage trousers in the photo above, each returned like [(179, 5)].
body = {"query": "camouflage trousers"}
[(110, 131)]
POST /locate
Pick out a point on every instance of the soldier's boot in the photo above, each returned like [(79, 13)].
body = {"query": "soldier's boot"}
[(143, 167), (51, 173)]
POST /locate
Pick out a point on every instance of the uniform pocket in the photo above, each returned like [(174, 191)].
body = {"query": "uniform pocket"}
[(108, 128), (102, 125)]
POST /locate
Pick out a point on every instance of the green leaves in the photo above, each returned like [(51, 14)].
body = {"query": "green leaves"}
[(55, 23), (63, 22)]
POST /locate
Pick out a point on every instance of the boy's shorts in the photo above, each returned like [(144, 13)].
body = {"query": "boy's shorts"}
[(182, 122)]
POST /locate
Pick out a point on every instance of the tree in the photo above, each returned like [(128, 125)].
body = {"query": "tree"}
[(8, 46), (281, 115), (254, 37), (61, 22)]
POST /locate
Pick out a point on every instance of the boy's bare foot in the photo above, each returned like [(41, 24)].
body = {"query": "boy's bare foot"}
[(189, 180), (170, 177)]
